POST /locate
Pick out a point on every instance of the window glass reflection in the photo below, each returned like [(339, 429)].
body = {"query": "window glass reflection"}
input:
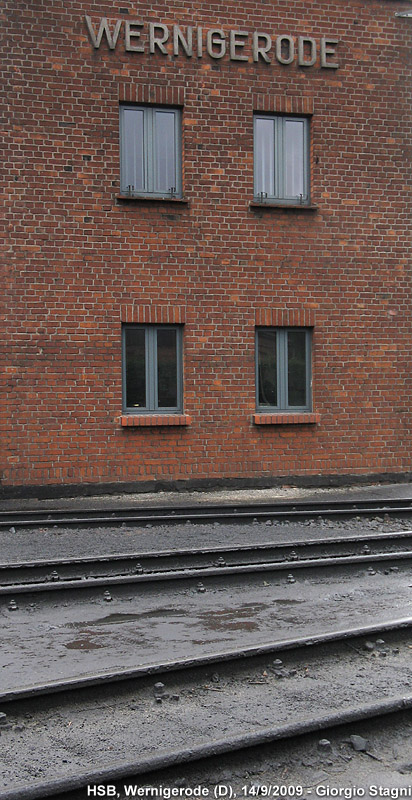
[(165, 149), (167, 368), (135, 368), (265, 156), (133, 148), (267, 368), (297, 368), (294, 158)]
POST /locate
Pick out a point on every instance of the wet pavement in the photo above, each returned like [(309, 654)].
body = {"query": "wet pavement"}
[(48, 638)]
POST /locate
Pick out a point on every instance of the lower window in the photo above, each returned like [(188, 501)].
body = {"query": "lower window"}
[(283, 369), (152, 368)]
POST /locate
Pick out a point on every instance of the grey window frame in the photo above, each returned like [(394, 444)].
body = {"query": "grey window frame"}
[(151, 371), (279, 195), (282, 369), (149, 152)]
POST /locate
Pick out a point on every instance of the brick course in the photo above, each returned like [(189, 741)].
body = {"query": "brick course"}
[(79, 261)]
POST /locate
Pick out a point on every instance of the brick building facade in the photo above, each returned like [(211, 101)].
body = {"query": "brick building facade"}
[(222, 289)]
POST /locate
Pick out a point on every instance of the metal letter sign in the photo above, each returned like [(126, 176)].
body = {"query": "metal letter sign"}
[(156, 38)]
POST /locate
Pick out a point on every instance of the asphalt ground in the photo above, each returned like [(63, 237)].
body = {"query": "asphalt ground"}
[(50, 638), (301, 766), (18, 545), (198, 707)]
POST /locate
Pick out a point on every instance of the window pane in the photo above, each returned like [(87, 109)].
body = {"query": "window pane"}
[(167, 368), (135, 368), (264, 156), (133, 147), (297, 368), (293, 146), (165, 151), (267, 368)]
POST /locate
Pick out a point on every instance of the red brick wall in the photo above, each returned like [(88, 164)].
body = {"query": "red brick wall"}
[(79, 261)]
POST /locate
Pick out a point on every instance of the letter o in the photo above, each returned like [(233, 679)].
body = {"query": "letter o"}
[(291, 46)]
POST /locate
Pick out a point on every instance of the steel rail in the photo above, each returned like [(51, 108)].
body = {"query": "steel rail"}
[(147, 516), (212, 747), (109, 566), (396, 560)]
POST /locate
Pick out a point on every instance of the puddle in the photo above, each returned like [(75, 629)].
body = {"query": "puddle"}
[(233, 619), (83, 644), (115, 619), (287, 602)]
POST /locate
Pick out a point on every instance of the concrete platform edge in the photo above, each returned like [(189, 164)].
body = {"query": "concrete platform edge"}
[(55, 491)]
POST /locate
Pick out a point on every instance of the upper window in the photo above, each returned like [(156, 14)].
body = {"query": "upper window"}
[(152, 368), (283, 369), (281, 159), (150, 151)]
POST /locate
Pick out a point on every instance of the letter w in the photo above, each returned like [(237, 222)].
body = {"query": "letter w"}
[(104, 28), (130, 791)]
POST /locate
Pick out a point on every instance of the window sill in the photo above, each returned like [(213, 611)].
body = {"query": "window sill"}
[(138, 198), (149, 420), (286, 418), (283, 206)]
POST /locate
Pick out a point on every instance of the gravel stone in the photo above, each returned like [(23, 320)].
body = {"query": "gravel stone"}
[(359, 744)]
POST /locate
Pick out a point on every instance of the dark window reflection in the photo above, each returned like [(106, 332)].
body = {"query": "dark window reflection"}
[(267, 369), (167, 368), (135, 368), (297, 368)]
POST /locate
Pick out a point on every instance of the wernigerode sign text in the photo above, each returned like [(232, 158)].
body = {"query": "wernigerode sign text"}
[(194, 41)]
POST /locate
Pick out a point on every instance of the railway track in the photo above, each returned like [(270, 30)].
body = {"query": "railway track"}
[(229, 700), (129, 568), (201, 514), (191, 711)]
